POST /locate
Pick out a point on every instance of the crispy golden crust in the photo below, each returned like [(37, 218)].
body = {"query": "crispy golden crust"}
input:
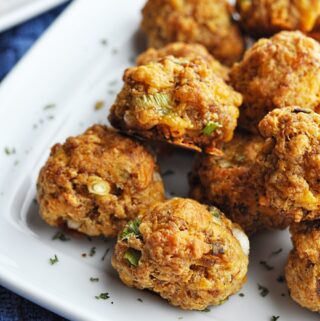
[(174, 100), (207, 22), (187, 254), (227, 182), (266, 17), (306, 240), (289, 163), (303, 279), (184, 50), (277, 72), (95, 182)]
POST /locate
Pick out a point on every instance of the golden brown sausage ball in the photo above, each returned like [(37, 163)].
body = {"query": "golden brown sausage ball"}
[(184, 50), (289, 163), (303, 266), (227, 182), (208, 22), (96, 182), (188, 253), (303, 279), (177, 101), (266, 17), (277, 72)]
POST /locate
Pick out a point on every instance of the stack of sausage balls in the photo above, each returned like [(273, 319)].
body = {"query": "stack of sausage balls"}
[(251, 119)]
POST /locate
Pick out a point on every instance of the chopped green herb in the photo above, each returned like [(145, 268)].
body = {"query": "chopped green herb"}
[(114, 51), (215, 212), (180, 318), (160, 102), (266, 265), (102, 296), (49, 106), (16, 162), (206, 310), (111, 92), (277, 252), (54, 260), (132, 59), (168, 172), (132, 256), (281, 279), (263, 290), (211, 127), (140, 300), (94, 279), (60, 236), (104, 42), (50, 117), (99, 105), (241, 294), (275, 318), (105, 254), (9, 151), (92, 251), (131, 229)]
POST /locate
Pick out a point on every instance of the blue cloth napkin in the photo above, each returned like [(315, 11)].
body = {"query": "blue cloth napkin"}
[(13, 45), (15, 42)]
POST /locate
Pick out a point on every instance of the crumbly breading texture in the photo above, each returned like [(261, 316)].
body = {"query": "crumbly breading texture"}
[(95, 182), (208, 22), (184, 50), (277, 72), (289, 163), (266, 17), (185, 253), (178, 101), (303, 280), (227, 182), (305, 237)]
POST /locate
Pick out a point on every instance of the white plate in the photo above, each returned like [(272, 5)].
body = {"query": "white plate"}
[(13, 12), (72, 67)]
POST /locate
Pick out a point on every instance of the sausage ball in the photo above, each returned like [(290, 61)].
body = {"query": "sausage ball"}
[(227, 182), (178, 101), (289, 163), (96, 182), (266, 17), (303, 266), (303, 280), (208, 22), (277, 72), (188, 253), (184, 50)]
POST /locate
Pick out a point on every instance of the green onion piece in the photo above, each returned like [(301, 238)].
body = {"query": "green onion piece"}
[(214, 212), (132, 256), (211, 127), (161, 102), (131, 229)]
